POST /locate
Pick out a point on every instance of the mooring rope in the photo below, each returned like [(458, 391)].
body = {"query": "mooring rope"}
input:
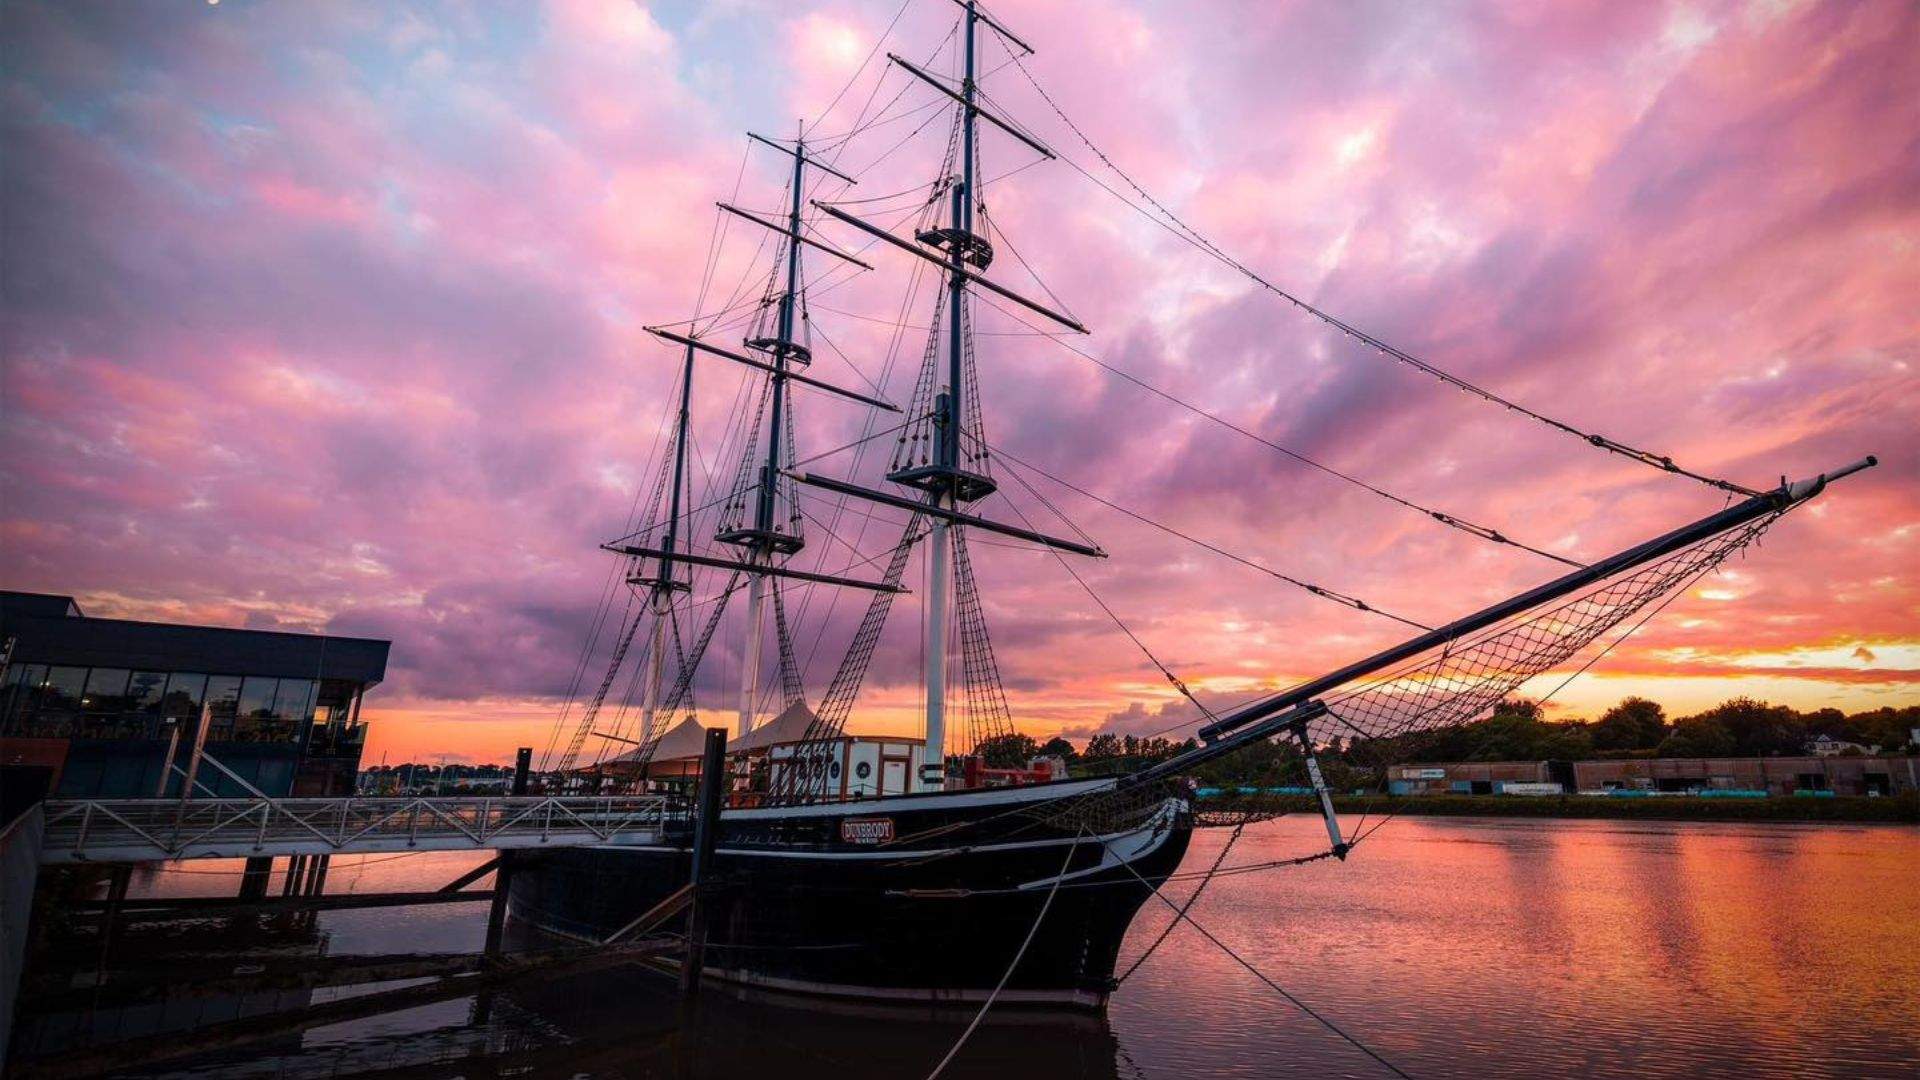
[(1032, 931), (1180, 914)]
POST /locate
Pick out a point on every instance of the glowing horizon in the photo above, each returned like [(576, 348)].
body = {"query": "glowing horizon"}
[(330, 321)]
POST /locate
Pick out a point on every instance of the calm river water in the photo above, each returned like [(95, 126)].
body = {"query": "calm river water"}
[(1453, 947)]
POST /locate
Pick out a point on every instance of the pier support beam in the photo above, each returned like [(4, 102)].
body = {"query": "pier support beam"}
[(706, 833), (253, 880), (117, 882), (502, 882), (503, 874)]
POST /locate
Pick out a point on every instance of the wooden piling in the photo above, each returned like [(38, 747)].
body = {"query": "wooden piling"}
[(706, 833), (254, 879), (503, 875), (117, 882)]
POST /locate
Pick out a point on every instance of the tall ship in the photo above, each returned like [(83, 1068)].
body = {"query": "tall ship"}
[(927, 866)]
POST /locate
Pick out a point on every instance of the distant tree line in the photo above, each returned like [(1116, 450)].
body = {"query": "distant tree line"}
[(1516, 730), (450, 770)]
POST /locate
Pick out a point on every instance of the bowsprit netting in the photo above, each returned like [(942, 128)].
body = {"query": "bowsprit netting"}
[(1466, 676), (1462, 681)]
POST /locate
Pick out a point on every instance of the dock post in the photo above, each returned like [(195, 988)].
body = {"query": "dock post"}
[(253, 880), (117, 881), (503, 874), (706, 830), (502, 882)]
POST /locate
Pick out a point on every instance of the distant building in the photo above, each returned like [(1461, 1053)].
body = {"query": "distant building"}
[(1828, 746), (1479, 778), (99, 707), (1773, 775), (1839, 775)]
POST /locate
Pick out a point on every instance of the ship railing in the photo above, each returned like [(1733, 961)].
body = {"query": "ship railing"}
[(112, 830)]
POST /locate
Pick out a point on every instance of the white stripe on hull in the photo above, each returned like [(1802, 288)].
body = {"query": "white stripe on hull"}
[(902, 804)]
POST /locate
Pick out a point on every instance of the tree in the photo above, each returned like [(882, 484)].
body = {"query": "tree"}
[(1760, 729), (1634, 724), (1886, 728), (1699, 736), (1059, 747), (1008, 751), (1101, 747)]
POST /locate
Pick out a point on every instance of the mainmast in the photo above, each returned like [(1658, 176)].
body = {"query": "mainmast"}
[(945, 481), (944, 454)]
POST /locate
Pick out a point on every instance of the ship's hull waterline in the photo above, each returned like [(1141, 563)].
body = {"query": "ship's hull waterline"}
[(926, 899)]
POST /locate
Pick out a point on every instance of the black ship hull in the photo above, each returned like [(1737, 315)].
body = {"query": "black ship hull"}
[(916, 898)]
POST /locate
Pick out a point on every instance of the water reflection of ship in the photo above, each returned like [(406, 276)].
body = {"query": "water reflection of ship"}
[(624, 1025), (160, 977)]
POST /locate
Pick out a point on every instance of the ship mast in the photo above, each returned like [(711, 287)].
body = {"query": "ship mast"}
[(948, 463), (947, 413), (764, 539), (664, 583)]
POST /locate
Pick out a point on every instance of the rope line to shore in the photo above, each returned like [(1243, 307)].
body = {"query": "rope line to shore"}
[(1032, 932), (1182, 914)]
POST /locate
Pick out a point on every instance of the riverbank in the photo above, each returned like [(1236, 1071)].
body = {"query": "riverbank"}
[(1898, 809)]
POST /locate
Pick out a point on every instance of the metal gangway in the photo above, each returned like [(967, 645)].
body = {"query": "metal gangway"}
[(141, 830)]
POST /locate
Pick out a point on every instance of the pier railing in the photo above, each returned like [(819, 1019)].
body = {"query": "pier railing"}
[(124, 830)]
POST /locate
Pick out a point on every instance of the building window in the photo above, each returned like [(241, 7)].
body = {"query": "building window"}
[(336, 700), (294, 700), (106, 691), (256, 698), (257, 720), (223, 703), (146, 691), (60, 691), (22, 681), (184, 696)]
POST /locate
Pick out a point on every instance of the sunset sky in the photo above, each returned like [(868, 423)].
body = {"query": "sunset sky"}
[(328, 317)]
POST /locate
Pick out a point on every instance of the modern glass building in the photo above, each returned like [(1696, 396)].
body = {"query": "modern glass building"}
[(100, 707)]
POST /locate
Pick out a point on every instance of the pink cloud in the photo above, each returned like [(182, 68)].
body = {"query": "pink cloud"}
[(336, 320)]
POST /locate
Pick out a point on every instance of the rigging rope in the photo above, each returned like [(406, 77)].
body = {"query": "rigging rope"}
[(592, 711), (1182, 915), (1192, 236), (1452, 521), (835, 705), (988, 717), (790, 691), (1019, 955), (1318, 590), (1166, 932), (1177, 683)]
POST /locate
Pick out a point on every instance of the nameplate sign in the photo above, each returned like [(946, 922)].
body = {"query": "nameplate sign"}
[(866, 830)]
